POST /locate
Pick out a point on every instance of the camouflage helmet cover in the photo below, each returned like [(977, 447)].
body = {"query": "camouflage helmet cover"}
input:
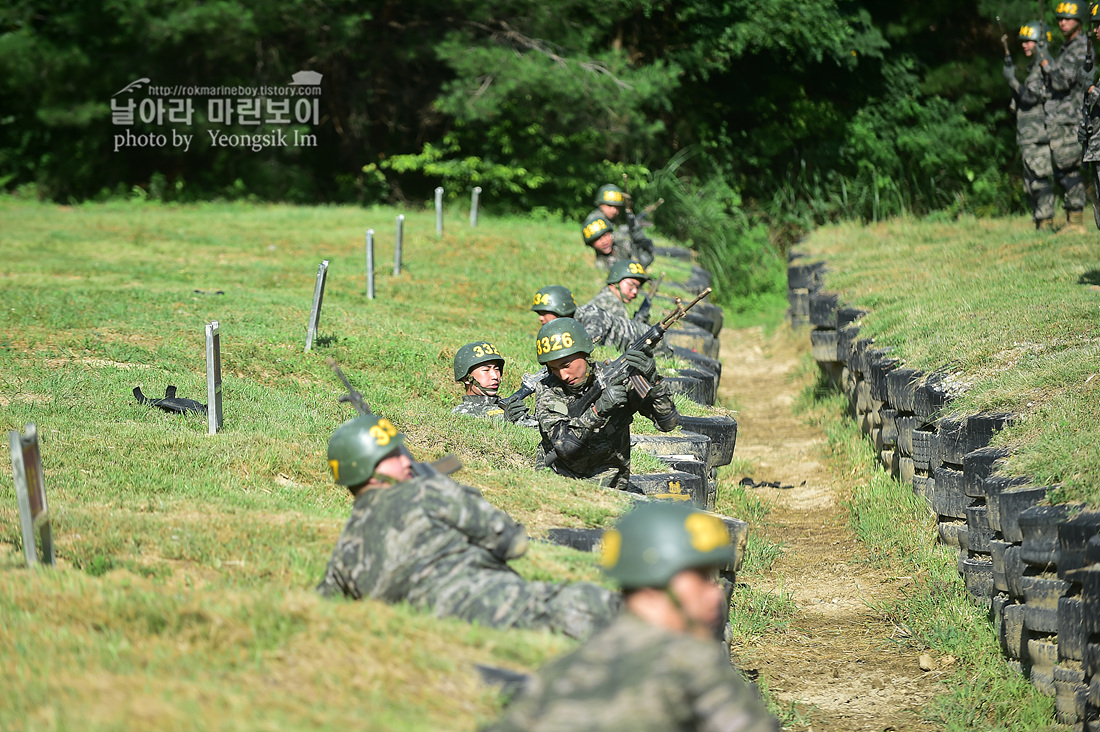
[(358, 445), (655, 541), (1031, 31), (561, 337), (474, 354), (555, 299), (595, 226), (624, 269), (610, 195), (1073, 10)]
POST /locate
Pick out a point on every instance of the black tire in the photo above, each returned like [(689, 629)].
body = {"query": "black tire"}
[(695, 467), (823, 307), (690, 387), (708, 380), (1039, 528), (981, 427), (675, 486), (693, 338), (995, 485), (977, 466), (1073, 632), (846, 316), (698, 360), (697, 447), (1041, 593), (823, 345), (978, 532), (879, 368), (1044, 657), (1073, 540), (904, 425), (805, 275), (997, 549), (1069, 684), (923, 447), (1014, 571), (923, 486), (679, 253), (951, 440), (846, 338), (511, 683), (584, 540), (978, 578), (901, 388), (889, 426), (799, 301), (859, 355), (930, 397), (1014, 636), (950, 532), (948, 498), (722, 432)]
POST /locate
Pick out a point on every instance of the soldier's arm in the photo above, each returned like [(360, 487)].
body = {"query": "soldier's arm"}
[(1065, 73), (1009, 72), (463, 508), (720, 698), (1032, 92), (660, 408), (568, 435)]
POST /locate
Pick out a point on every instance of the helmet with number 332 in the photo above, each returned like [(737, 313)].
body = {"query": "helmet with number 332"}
[(474, 354), (561, 337), (358, 445)]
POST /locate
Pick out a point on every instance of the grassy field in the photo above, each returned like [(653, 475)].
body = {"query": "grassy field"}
[(183, 596), (1014, 314)]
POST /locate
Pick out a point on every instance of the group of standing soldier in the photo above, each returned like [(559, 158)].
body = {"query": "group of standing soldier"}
[(1056, 116), (650, 658)]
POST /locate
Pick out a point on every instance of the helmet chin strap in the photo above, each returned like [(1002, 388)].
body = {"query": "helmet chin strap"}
[(478, 389)]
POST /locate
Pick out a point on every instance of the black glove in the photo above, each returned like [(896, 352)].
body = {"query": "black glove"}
[(1082, 134), (515, 411), (641, 362), (612, 397), (1008, 61)]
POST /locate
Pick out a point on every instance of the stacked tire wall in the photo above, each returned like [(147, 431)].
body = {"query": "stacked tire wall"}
[(1035, 568)]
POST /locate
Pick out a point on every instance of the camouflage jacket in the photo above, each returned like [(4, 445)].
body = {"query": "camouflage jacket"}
[(606, 321), (1027, 102), (639, 677), (476, 405), (411, 541), (1066, 83), (1092, 133), (593, 445)]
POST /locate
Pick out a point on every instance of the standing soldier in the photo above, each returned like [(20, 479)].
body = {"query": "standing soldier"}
[(479, 367), (553, 301), (1031, 132), (1066, 85), (1088, 133), (595, 444), (658, 666), (610, 200), (439, 545)]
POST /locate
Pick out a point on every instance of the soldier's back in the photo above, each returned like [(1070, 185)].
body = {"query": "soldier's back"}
[(636, 676)]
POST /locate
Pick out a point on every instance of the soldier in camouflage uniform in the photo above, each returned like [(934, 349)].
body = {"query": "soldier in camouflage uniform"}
[(1066, 85), (594, 445), (1088, 132), (1031, 132), (479, 367), (658, 666), (553, 301), (439, 545), (610, 200), (605, 316), (609, 246)]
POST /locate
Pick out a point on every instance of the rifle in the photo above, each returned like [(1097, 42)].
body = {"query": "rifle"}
[(1004, 38), (446, 465), (615, 371), (525, 390), (642, 314)]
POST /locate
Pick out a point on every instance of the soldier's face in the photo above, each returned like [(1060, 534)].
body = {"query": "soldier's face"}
[(604, 244), (1029, 47), (628, 288), (701, 599), (487, 377), (545, 317), (1096, 31), (571, 369), (609, 211), (395, 465), (1068, 26)]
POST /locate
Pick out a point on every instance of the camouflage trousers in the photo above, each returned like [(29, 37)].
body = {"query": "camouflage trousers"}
[(1037, 172), (1066, 157), (503, 599)]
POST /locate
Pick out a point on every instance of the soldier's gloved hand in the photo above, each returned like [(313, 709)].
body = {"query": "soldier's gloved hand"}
[(612, 397), (641, 362), (517, 544), (515, 411), (1045, 59)]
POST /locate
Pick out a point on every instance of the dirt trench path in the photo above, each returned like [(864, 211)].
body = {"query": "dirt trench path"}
[(835, 661)]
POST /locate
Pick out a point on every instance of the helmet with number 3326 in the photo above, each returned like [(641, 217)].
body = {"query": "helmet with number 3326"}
[(561, 337)]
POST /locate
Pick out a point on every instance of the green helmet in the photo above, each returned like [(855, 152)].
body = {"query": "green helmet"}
[(358, 445), (1074, 10), (656, 540), (1032, 31), (561, 337), (595, 226), (610, 195), (475, 354), (1094, 13), (624, 269), (555, 299)]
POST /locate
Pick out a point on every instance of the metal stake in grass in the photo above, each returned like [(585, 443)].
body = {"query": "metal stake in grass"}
[(318, 296), (214, 377), (30, 492), (473, 206), (397, 244), (439, 212), (370, 264)]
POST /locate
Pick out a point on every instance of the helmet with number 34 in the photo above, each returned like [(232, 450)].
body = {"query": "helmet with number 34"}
[(358, 445), (561, 337), (555, 299)]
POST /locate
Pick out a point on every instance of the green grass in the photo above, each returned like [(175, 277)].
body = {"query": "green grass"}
[(1008, 310), (898, 535), (183, 594)]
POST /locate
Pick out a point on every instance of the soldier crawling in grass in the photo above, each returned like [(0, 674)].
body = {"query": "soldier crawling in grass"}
[(439, 545), (658, 666), (479, 367), (593, 445)]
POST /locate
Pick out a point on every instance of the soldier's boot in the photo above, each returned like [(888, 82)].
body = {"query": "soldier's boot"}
[(1044, 224), (1075, 223)]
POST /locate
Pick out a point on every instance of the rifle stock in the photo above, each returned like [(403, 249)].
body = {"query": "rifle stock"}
[(445, 465)]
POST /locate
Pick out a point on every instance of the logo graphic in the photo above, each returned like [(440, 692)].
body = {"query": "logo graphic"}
[(132, 86), (306, 78)]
